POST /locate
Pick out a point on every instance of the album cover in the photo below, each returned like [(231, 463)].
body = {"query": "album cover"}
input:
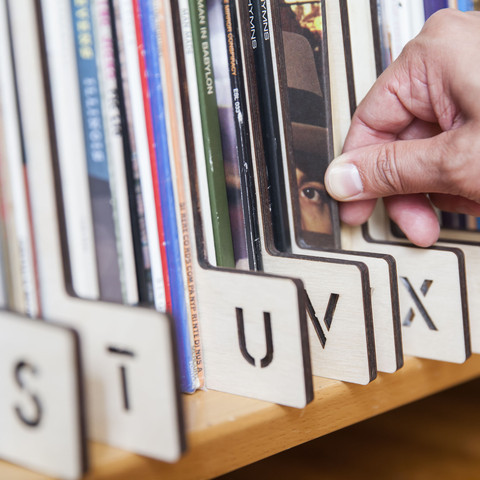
[(299, 31)]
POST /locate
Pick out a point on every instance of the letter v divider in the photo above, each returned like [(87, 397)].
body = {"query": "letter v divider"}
[(152, 425), (337, 287)]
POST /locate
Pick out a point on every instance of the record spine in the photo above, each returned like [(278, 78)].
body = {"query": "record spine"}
[(211, 135), (132, 71), (164, 178), (248, 197), (115, 151), (194, 104), (261, 46), (431, 6), (97, 163), (147, 107), (167, 45), (134, 187), (16, 208), (71, 148)]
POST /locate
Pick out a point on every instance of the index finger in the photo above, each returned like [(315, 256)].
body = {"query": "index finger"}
[(398, 97)]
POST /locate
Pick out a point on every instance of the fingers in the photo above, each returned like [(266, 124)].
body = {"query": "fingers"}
[(415, 217), (455, 204), (356, 213), (401, 167), (419, 129), (416, 131), (399, 101)]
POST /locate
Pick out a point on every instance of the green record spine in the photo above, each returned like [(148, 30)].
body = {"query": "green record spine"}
[(211, 135)]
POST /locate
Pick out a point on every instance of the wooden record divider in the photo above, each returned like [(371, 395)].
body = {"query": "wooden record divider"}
[(130, 377), (41, 406), (381, 268), (467, 242), (433, 299), (433, 294), (337, 287), (223, 295), (252, 326)]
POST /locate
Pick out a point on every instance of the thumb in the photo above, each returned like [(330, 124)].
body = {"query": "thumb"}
[(400, 167)]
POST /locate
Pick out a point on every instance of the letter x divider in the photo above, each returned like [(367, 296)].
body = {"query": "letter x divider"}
[(469, 244), (433, 292)]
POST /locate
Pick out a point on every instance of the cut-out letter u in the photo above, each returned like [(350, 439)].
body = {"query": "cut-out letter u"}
[(267, 359)]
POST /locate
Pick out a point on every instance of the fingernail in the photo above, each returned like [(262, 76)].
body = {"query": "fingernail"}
[(343, 181)]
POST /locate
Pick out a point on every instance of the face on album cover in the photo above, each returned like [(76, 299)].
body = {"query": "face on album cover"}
[(307, 121)]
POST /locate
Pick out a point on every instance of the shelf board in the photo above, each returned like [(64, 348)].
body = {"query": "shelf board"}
[(226, 432)]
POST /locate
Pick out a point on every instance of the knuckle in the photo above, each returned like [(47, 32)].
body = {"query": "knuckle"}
[(411, 48), (439, 28), (458, 164), (442, 18), (385, 174)]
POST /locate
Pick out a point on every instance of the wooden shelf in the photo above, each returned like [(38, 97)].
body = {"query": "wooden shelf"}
[(436, 438), (226, 432)]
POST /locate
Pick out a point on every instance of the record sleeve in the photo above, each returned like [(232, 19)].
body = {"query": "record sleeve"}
[(146, 76), (190, 79), (211, 135), (96, 154), (134, 188), (173, 79), (58, 38), (165, 178), (17, 247), (233, 120), (302, 81), (139, 138), (260, 44), (115, 151)]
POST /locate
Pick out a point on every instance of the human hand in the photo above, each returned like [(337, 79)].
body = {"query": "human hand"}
[(417, 132)]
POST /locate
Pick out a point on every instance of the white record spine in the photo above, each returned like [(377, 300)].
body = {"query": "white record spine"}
[(417, 17), (65, 90), (16, 177)]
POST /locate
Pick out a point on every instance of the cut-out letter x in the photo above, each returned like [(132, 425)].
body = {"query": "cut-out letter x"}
[(416, 300)]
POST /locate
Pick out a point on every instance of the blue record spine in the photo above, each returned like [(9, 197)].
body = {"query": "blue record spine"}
[(167, 198), (431, 6), (90, 90), (465, 5), (96, 152)]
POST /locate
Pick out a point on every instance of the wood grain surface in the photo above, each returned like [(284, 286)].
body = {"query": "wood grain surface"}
[(226, 432)]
